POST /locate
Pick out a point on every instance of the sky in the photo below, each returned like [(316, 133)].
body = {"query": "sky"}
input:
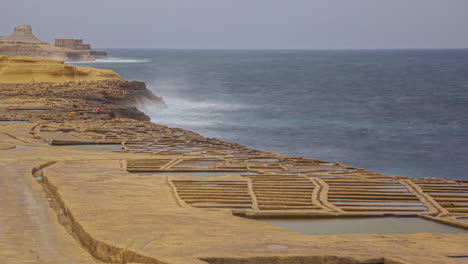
[(245, 24)]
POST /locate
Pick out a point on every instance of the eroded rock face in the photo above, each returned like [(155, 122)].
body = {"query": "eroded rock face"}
[(61, 89), (118, 98), (28, 69)]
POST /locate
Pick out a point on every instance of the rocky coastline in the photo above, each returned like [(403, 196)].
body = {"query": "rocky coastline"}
[(147, 204)]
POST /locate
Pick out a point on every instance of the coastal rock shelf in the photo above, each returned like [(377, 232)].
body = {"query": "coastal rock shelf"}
[(173, 196)]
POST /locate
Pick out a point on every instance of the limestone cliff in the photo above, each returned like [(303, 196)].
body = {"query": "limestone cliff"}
[(27, 69), (22, 34), (70, 87)]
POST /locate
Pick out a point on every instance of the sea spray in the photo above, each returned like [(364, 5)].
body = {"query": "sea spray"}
[(393, 111)]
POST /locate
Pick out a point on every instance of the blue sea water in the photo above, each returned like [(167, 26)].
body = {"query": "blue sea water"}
[(399, 112)]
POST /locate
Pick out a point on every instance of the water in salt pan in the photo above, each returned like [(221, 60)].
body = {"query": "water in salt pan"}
[(263, 160), (98, 147), (374, 225), (14, 122), (277, 247), (26, 147), (200, 173), (32, 110), (462, 258)]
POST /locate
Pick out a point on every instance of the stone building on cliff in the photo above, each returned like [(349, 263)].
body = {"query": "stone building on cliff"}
[(75, 44), (22, 42)]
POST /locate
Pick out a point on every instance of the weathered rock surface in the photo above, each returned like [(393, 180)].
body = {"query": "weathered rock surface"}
[(28, 69), (51, 90)]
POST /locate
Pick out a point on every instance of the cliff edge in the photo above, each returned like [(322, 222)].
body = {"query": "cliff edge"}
[(35, 80), (28, 69)]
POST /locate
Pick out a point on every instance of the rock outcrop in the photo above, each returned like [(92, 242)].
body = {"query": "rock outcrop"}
[(22, 34), (22, 42), (27, 69), (68, 89)]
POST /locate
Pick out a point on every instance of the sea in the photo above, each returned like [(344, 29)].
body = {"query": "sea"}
[(398, 112)]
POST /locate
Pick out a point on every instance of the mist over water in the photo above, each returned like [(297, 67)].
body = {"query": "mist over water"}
[(397, 112)]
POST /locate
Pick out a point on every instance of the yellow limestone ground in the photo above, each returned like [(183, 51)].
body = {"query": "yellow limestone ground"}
[(120, 216), (63, 205), (28, 69)]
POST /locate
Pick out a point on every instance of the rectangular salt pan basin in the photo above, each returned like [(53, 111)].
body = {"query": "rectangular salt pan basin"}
[(462, 258), (372, 225), (98, 147), (14, 122), (200, 174), (33, 110), (27, 147)]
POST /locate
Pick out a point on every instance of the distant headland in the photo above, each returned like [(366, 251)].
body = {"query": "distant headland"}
[(22, 42)]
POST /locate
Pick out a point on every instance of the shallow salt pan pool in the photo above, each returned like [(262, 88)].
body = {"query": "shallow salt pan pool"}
[(14, 122), (32, 110), (200, 174), (27, 147), (98, 147), (373, 225)]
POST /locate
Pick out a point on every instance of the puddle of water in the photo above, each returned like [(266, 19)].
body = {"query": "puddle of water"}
[(14, 122), (383, 206), (27, 147), (38, 178), (448, 193), (374, 225), (380, 203), (209, 203), (98, 147), (277, 247), (462, 219), (462, 258), (263, 160), (32, 110), (327, 163), (369, 187), (200, 174), (183, 150)]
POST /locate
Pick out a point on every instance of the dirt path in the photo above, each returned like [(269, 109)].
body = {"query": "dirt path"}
[(30, 232)]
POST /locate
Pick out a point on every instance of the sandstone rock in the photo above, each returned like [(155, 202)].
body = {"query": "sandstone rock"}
[(22, 34), (27, 69)]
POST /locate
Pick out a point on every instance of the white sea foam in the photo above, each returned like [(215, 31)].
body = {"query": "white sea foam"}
[(179, 104), (203, 117), (190, 113), (111, 60)]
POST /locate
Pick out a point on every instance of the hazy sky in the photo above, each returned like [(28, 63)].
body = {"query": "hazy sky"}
[(285, 24)]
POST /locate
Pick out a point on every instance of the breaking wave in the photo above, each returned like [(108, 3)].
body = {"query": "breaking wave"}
[(112, 60)]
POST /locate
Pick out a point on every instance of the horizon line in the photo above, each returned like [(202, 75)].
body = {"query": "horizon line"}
[(286, 49)]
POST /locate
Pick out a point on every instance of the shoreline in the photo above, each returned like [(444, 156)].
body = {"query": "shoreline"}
[(119, 214)]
